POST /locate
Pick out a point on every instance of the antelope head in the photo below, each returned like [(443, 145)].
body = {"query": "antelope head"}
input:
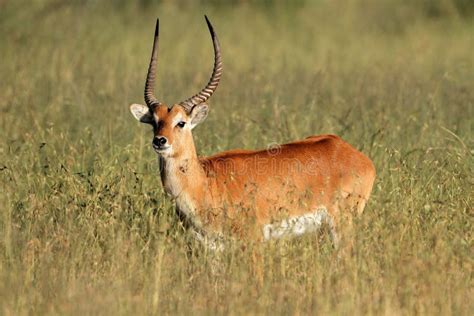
[(172, 126)]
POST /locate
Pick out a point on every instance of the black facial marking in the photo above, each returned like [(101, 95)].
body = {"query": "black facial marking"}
[(157, 125)]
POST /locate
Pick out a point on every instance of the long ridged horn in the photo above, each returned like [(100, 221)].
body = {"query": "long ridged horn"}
[(215, 77), (150, 98)]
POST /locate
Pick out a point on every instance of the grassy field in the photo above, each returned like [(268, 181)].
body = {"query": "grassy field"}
[(85, 227)]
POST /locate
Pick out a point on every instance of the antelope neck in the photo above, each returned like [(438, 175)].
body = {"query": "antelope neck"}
[(181, 173)]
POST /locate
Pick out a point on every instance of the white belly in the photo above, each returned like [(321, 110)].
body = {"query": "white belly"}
[(298, 225)]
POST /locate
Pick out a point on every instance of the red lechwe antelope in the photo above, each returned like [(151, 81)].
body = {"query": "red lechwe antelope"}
[(287, 190)]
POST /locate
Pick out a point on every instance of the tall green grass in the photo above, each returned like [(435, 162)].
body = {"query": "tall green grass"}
[(86, 228)]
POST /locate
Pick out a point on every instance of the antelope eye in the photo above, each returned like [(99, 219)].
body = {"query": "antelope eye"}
[(181, 124)]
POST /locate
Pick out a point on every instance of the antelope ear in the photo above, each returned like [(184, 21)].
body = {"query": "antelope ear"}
[(198, 114), (141, 113)]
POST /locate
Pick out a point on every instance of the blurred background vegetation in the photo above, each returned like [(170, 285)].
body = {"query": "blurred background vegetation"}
[(85, 226)]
